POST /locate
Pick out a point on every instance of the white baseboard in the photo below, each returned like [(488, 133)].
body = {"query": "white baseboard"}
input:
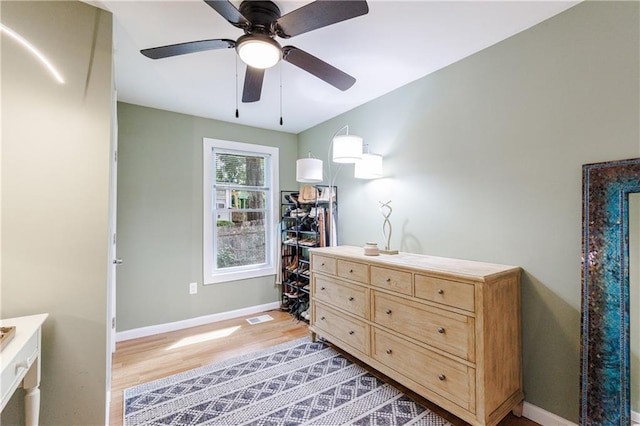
[(192, 322), (544, 417), (635, 418), (107, 411)]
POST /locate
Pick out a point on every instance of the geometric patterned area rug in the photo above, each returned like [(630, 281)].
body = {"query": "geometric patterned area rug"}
[(296, 383)]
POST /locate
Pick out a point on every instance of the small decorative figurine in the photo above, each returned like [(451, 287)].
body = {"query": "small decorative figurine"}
[(386, 227)]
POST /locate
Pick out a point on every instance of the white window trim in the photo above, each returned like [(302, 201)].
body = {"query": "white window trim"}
[(240, 273)]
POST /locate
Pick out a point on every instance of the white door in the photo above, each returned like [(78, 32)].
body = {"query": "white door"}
[(112, 256), (113, 262), (113, 204)]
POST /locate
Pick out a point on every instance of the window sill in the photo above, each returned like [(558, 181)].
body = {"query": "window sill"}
[(239, 275)]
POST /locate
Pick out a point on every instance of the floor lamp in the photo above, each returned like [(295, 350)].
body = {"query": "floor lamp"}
[(344, 149)]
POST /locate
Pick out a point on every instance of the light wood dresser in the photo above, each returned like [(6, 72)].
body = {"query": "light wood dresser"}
[(447, 329)]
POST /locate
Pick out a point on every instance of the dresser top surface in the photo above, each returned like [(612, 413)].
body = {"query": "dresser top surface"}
[(469, 268)]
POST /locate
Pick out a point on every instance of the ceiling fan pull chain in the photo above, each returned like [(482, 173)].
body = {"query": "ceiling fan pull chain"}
[(237, 112), (280, 66)]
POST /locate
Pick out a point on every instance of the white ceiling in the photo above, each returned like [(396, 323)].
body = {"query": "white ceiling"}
[(395, 43)]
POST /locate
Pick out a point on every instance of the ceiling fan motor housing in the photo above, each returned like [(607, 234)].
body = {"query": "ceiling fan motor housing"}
[(258, 47), (262, 16)]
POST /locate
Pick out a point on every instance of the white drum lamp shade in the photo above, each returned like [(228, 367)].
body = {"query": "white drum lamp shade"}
[(309, 170), (369, 167), (347, 148)]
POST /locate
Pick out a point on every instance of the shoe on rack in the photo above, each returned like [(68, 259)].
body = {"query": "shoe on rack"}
[(291, 240), (292, 198), (293, 264), (298, 213)]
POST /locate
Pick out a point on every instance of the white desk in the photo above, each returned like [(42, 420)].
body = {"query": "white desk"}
[(20, 364)]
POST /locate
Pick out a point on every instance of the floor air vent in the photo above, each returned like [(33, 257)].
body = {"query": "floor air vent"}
[(258, 320)]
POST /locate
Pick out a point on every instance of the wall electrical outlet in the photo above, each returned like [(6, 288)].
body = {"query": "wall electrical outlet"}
[(193, 288)]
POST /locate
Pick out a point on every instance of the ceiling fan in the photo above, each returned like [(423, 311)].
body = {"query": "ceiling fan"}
[(261, 22)]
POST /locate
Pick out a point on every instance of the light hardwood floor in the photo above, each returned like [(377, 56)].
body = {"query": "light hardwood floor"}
[(142, 360)]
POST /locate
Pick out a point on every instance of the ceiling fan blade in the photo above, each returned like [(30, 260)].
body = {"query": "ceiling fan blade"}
[(188, 47), (228, 11), (318, 67), (253, 79), (319, 14)]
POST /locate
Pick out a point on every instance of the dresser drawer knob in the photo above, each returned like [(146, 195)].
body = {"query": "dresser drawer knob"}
[(389, 351), (441, 330), (321, 318), (388, 312), (351, 271), (322, 264), (440, 291), (351, 299), (322, 288), (388, 280), (351, 332), (442, 377)]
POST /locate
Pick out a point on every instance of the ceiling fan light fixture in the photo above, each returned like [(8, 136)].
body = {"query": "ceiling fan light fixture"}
[(259, 51)]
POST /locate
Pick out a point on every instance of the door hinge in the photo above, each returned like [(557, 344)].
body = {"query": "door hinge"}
[(113, 322), (115, 156)]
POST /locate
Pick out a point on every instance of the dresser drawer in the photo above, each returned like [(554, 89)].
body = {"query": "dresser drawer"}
[(351, 331), (353, 271), (450, 379), (323, 264), (17, 367), (451, 332), (390, 279), (350, 297), (451, 293)]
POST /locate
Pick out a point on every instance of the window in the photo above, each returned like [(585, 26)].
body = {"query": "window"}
[(240, 196)]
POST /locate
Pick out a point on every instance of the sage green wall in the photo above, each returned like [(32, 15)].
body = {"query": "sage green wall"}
[(55, 194), (483, 161), (160, 217)]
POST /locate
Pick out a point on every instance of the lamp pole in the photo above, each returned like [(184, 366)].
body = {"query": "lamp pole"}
[(333, 236)]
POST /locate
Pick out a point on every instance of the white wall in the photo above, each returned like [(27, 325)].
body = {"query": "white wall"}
[(55, 182)]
